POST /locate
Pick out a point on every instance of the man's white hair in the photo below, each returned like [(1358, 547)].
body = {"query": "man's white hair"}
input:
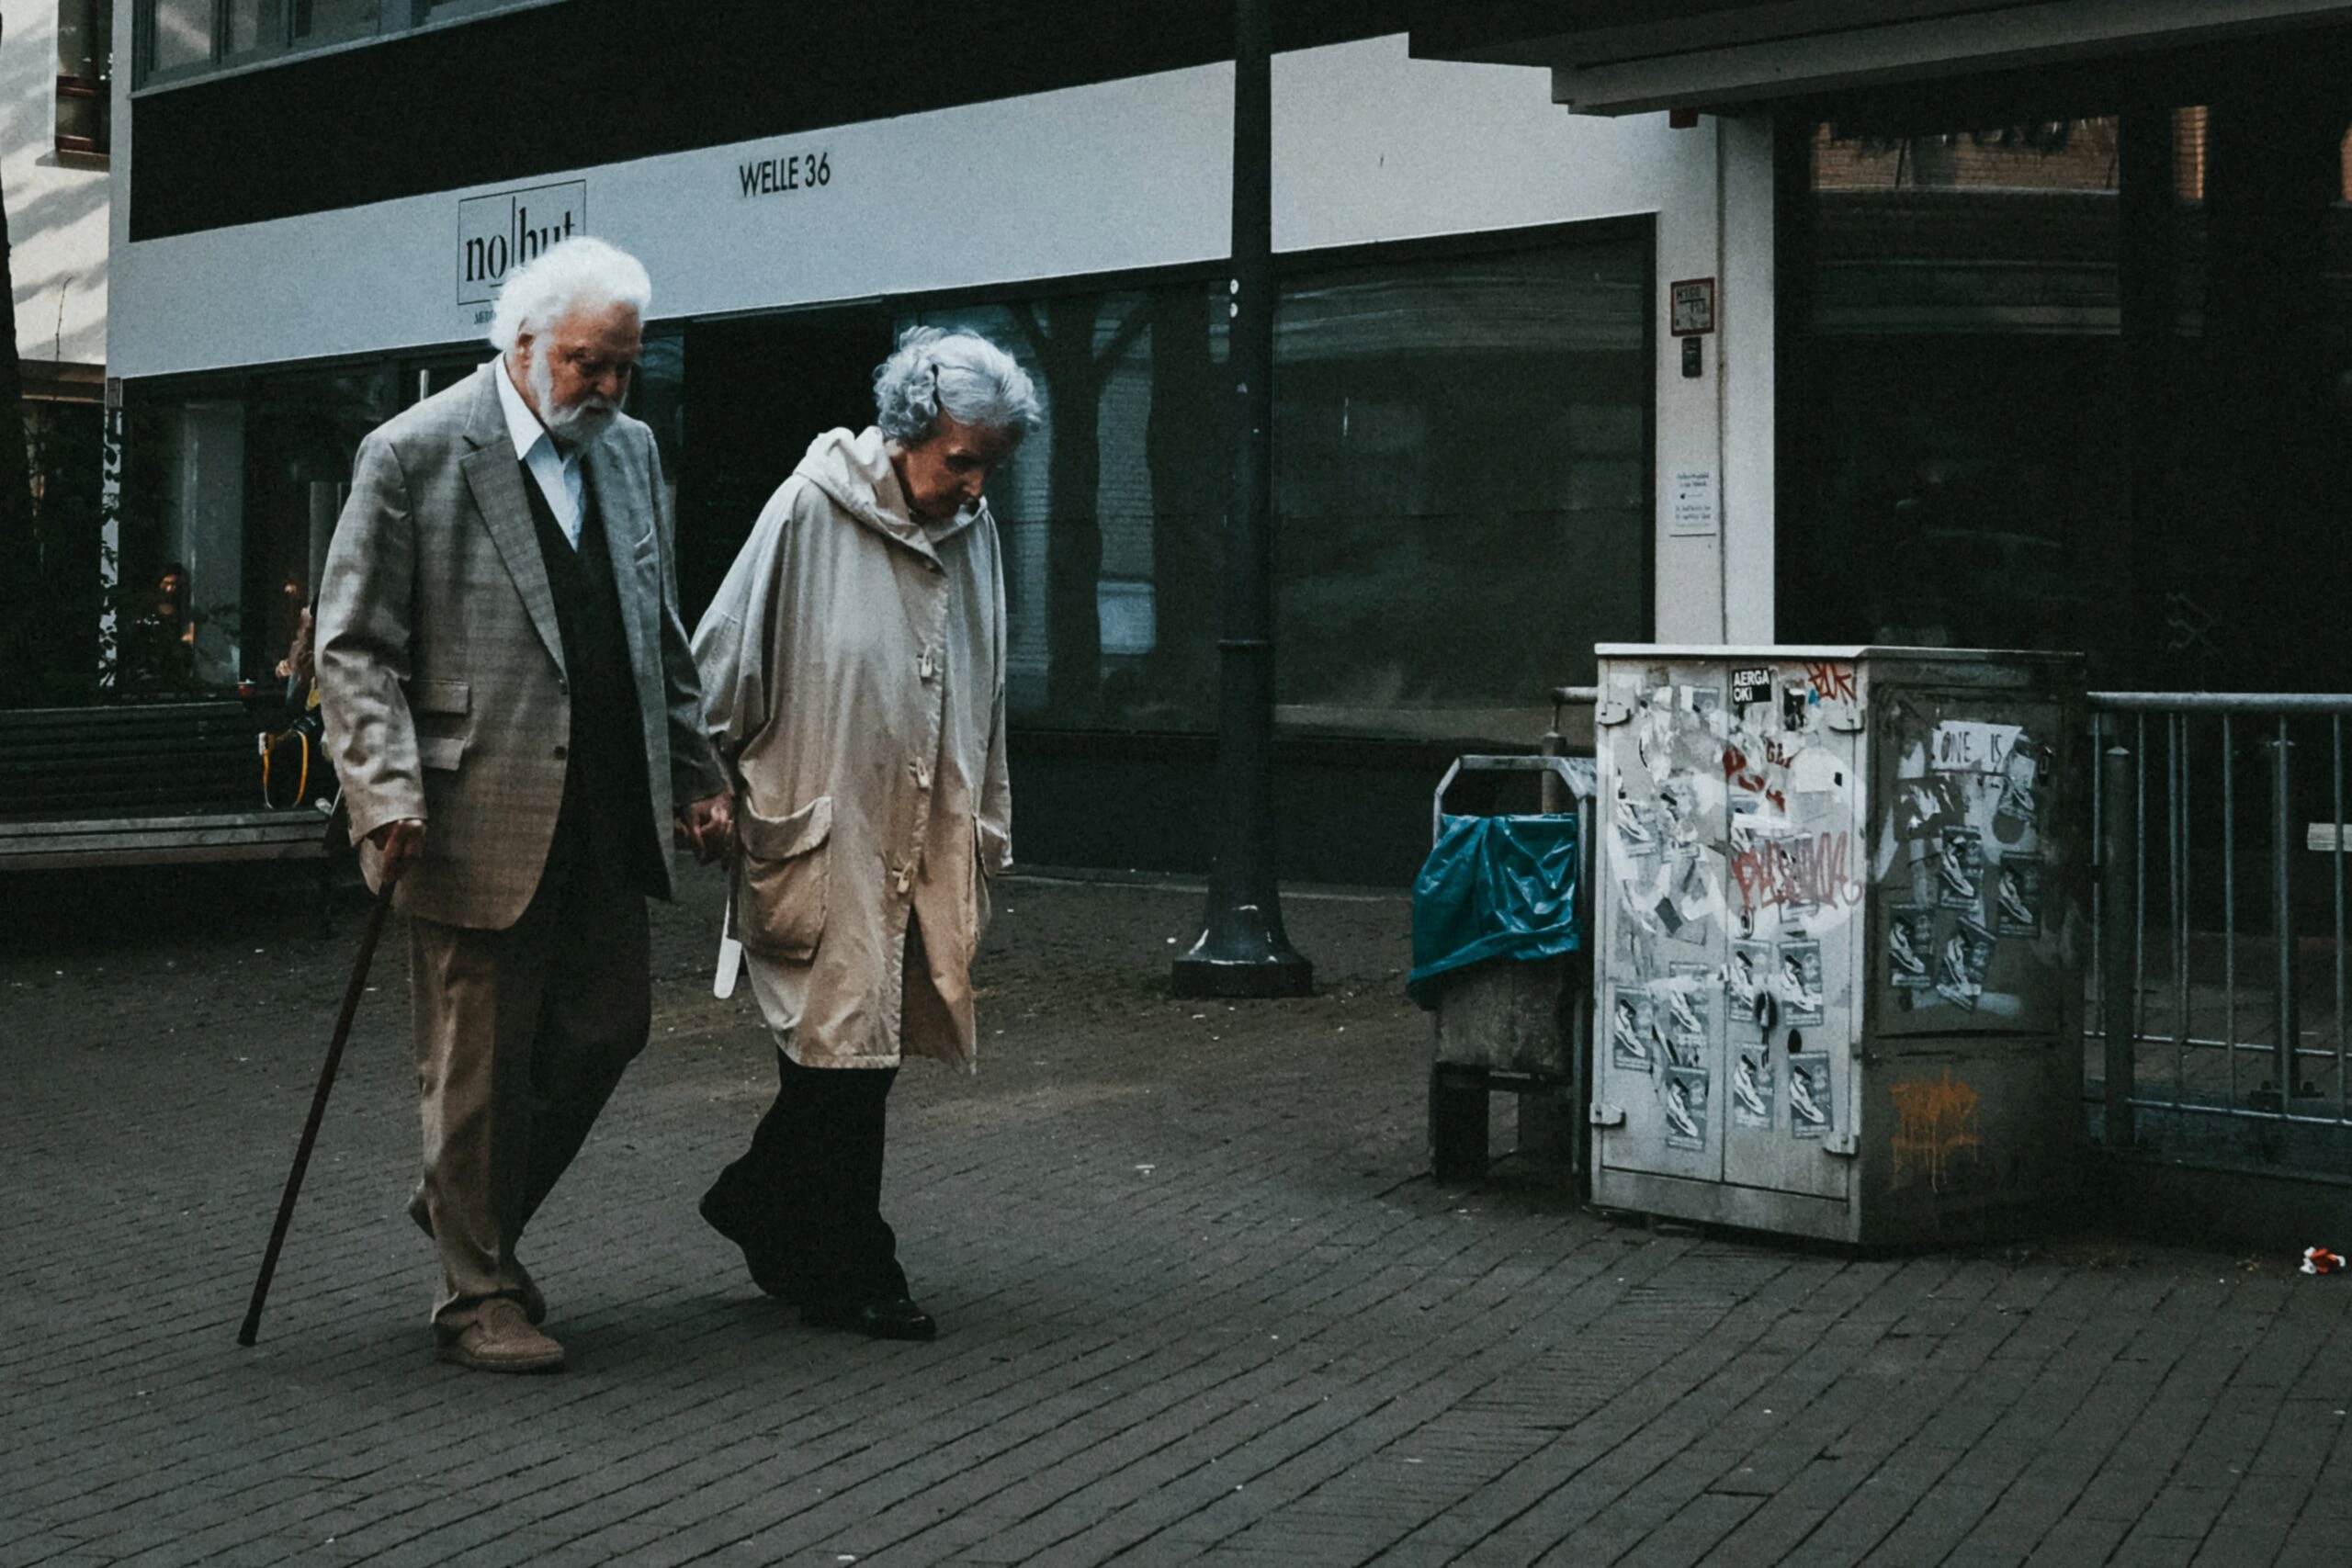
[(963, 373), (578, 271)]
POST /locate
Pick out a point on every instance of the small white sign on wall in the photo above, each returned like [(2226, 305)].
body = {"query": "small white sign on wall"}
[(1690, 504)]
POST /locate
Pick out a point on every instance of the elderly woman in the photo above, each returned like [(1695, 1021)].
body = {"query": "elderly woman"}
[(852, 665)]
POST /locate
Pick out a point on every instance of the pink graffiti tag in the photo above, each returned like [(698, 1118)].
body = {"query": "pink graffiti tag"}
[(1832, 683), (1808, 872)]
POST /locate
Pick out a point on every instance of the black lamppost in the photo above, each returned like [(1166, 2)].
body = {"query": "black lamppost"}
[(1242, 951)]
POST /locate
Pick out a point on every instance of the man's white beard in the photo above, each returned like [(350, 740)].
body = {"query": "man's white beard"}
[(575, 424)]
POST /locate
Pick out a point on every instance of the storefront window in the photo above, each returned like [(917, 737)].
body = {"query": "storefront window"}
[(2082, 383), (1962, 476), (1460, 482)]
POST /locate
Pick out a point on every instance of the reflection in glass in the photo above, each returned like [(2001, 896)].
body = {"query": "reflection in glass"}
[(182, 34), (252, 24), (1462, 488), (329, 21), (85, 38), (1462, 485)]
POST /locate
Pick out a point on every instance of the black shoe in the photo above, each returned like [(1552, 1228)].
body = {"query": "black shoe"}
[(897, 1319), (729, 1221)]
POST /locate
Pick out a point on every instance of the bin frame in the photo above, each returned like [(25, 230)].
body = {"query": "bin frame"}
[(1459, 1091)]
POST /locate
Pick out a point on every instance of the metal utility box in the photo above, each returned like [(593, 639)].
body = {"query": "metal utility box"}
[(1838, 938)]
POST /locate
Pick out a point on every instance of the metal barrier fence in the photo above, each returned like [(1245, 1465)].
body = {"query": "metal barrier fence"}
[(2219, 988)]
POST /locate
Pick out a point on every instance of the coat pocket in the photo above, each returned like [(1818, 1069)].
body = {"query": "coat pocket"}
[(993, 846), (440, 752), (440, 696), (780, 881)]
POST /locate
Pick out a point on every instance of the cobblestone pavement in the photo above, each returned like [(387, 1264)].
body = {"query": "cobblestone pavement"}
[(1200, 1302)]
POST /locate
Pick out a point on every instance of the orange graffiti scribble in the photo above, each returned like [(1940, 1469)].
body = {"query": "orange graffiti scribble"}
[(1934, 1123)]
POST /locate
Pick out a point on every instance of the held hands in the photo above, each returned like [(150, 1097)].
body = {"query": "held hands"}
[(402, 843), (708, 827)]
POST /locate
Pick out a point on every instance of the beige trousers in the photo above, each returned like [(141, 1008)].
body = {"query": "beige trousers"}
[(521, 1036)]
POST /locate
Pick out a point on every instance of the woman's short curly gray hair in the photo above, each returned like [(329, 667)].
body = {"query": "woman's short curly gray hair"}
[(577, 271), (973, 379)]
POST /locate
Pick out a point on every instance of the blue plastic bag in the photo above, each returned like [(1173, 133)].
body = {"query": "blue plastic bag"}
[(1493, 887)]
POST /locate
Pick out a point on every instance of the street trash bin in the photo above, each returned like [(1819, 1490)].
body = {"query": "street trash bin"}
[(1499, 928)]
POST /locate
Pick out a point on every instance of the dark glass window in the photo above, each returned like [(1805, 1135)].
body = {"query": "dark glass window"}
[(2079, 383), (252, 26), (332, 21), (179, 34), (186, 37), (84, 75), (1461, 480)]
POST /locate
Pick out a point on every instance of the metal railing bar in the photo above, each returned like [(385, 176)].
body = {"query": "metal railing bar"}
[(2139, 871), (2288, 1028), (2265, 704), (2239, 1113), (2230, 898), (2200, 1043), (2097, 1001), (2177, 761)]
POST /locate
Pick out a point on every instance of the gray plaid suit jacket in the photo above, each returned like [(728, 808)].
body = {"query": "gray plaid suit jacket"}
[(440, 667)]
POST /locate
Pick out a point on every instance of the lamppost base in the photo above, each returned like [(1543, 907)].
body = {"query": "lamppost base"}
[(1267, 973)]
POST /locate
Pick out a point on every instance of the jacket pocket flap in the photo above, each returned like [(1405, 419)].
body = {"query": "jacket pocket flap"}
[(440, 751), (439, 696), (781, 838)]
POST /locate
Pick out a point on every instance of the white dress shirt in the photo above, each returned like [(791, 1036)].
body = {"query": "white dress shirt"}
[(556, 469)]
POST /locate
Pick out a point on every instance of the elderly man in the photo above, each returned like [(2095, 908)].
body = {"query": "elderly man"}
[(854, 665), (512, 708)]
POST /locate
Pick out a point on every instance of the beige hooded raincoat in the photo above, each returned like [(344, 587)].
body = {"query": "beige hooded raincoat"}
[(853, 669)]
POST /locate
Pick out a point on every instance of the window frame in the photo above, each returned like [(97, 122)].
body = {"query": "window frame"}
[(395, 19), (97, 89)]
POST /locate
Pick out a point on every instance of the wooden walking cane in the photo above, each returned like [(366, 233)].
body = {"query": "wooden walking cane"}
[(318, 1112)]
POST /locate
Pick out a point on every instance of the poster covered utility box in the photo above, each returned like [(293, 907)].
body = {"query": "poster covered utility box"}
[(1839, 938)]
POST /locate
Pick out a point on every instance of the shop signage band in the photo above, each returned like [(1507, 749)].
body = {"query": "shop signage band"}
[(785, 172), (500, 232)]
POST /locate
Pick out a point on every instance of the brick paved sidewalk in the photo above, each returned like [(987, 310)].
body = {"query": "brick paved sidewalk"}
[(1200, 1302)]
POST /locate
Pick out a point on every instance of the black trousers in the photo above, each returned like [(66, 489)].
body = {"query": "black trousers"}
[(811, 1187)]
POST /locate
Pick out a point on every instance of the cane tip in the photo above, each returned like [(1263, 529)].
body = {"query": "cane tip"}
[(245, 1335)]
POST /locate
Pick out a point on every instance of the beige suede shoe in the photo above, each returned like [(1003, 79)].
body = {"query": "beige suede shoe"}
[(501, 1339)]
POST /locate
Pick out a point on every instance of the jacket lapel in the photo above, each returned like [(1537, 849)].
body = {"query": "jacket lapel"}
[(620, 501), (495, 477)]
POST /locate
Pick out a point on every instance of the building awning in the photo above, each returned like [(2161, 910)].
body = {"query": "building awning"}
[(1608, 57)]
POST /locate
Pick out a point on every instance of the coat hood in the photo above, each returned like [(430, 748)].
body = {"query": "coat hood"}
[(855, 474)]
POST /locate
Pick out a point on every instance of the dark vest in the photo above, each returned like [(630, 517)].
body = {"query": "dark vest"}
[(607, 818)]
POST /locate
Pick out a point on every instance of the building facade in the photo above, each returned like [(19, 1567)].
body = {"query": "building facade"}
[(1493, 449), (2064, 310), (54, 58)]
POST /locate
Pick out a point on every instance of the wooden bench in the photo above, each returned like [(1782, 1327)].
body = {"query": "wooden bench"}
[(150, 783)]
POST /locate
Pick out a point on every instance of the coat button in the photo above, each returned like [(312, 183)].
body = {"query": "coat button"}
[(561, 751)]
